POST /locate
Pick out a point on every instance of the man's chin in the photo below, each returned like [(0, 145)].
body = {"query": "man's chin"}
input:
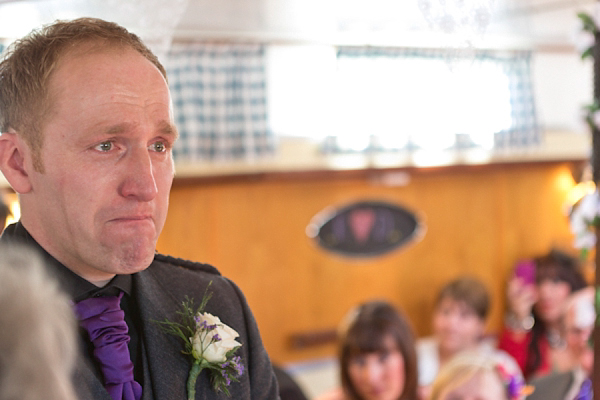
[(134, 258), (137, 263)]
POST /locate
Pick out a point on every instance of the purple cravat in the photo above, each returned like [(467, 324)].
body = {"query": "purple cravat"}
[(104, 320)]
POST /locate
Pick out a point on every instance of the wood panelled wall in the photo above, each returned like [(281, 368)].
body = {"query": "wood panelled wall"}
[(478, 219)]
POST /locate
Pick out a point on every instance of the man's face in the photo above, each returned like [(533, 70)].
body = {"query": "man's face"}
[(102, 200), (456, 325), (379, 375)]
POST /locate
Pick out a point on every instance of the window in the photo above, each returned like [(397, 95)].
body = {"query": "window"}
[(369, 98)]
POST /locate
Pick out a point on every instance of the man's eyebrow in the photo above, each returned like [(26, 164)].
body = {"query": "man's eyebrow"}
[(117, 129), (168, 129), (164, 127)]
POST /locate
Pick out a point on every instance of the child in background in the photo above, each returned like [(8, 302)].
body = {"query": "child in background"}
[(459, 317)]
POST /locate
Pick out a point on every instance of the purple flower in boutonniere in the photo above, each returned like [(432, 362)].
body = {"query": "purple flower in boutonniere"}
[(210, 343)]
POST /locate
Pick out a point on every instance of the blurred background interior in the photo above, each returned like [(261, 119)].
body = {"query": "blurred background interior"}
[(467, 114)]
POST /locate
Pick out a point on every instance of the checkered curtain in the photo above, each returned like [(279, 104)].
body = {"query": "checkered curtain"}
[(219, 99), (524, 130)]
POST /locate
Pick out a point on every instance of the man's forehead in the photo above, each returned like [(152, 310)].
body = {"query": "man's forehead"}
[(104, 70), (97, 52)]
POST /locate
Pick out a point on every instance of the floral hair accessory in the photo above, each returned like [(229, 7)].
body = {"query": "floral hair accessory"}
[(514, 384), (210, 343)]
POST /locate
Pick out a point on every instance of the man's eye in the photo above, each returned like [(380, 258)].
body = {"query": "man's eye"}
[(159, 147), (104, 146)]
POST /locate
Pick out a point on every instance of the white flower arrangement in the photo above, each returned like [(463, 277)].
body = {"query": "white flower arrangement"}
[(210, 343), (584, 215), (583, 219)]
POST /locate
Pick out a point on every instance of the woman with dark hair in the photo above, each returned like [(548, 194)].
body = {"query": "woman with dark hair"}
[(533, 332), (377, 355)]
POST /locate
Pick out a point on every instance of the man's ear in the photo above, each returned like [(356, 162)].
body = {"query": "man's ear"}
[(13, 152)]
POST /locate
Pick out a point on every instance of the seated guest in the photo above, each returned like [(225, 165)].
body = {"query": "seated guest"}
[(38, 335), (579, 324), (475, 376), (533, 332), (461, 309), (376, 355), (288, 388)]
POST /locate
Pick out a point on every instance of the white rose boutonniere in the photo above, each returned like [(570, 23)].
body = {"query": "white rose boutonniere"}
[(210, 343), (213, 340)]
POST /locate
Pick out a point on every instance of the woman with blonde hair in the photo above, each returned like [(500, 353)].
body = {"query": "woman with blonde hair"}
[(474, 376)]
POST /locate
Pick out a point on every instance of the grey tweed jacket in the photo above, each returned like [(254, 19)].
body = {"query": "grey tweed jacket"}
[(160, 290)]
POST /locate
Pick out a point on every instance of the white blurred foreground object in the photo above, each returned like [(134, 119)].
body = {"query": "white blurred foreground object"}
[(38, 337)]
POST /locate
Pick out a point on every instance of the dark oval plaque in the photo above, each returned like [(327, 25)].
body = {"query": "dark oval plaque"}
[(364, 228)]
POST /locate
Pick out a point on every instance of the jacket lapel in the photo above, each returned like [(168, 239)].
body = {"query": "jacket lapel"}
[(165, 367)]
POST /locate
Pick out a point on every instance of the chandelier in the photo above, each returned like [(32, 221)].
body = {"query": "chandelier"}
[(462, 20)]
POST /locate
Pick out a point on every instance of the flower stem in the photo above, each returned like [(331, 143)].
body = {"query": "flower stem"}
[(191, 383)]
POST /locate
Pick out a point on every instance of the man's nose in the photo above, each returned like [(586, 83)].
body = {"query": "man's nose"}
[(139, 181)]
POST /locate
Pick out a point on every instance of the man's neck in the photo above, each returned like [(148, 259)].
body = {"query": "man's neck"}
[(101, 283)]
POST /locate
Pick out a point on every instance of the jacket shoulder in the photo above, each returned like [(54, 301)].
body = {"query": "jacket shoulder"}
[(187, 264)]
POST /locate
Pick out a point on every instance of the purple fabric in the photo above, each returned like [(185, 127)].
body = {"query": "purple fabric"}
[(104, 320), (585, 393)]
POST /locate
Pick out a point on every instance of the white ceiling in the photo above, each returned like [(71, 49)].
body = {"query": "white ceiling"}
[(513, 22), (525, 21)]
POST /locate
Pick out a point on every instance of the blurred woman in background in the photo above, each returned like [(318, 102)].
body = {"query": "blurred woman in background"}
[(376, 355), (533, 332)]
